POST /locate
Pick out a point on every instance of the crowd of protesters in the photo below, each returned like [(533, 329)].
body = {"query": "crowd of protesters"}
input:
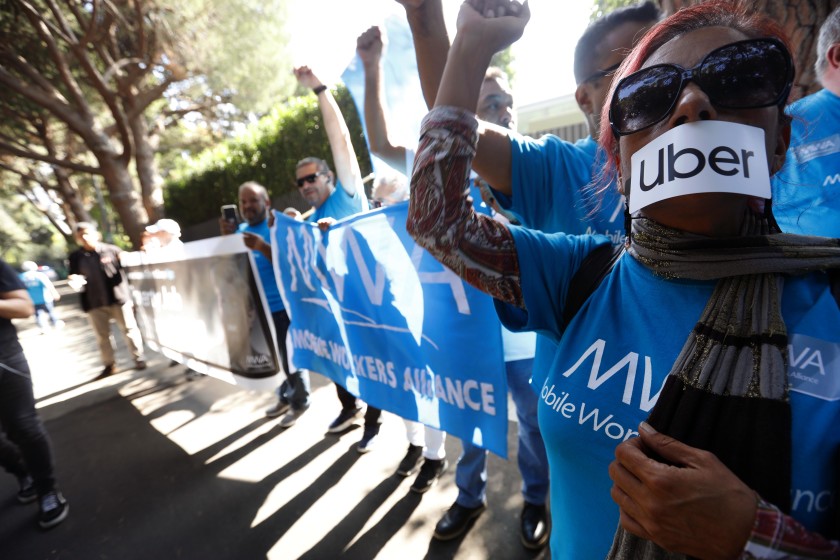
[(594, 245)]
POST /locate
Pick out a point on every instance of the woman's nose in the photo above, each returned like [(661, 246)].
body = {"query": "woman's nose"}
[(693, 105)]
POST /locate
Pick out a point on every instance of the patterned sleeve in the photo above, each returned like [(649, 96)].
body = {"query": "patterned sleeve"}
[(441, 217), (779, 536)]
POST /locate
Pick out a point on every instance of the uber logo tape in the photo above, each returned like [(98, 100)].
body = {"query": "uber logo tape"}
[(702, 157)]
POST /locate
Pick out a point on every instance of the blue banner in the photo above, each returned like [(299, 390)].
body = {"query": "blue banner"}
[(403, 97), (373, 311)]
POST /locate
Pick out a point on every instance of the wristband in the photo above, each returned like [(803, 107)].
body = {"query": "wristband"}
[(318, 90)]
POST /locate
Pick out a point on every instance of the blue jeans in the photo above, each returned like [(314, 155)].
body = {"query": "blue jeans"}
[(42, 309), (471, 472), (295, 389), (27, 449)]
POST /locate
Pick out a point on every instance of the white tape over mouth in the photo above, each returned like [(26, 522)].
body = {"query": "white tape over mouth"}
[(700, 157)]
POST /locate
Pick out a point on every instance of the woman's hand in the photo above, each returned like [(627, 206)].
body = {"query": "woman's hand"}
[(369, 46), (492, 24), (692, 504)]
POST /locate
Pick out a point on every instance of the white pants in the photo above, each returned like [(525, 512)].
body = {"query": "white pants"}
[(430, 439)]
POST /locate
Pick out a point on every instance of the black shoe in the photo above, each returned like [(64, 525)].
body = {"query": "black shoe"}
[(107, 371), (411, 462), (533, 526), (368, 440), (26, 492), (456, 521), (140, 365), (344, 420), (428, 475), (54, 509)]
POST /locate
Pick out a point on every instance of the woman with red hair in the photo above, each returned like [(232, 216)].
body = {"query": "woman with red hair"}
[(695, 396)]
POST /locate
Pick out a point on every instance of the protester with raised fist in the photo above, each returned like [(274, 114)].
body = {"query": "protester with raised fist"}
[(675, 413)]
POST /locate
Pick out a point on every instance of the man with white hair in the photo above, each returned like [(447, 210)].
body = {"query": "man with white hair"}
[(805, 195), (167, 232)]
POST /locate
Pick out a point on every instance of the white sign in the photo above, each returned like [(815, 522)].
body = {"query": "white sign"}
[(701, 157)]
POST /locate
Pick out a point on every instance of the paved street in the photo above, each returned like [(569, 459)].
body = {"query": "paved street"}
[(158, 465)]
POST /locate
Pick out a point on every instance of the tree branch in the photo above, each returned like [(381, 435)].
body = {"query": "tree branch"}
[(55, 54), (11, 150)]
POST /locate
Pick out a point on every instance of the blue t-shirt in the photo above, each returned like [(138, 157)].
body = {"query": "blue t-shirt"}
[(806, 192), (264, 267), (611, 363), (549, 177), (37, 285), (340, 204)]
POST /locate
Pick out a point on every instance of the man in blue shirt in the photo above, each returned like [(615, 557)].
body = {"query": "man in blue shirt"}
[(335, 196), (805, 196), (43, 294), (254, 204)]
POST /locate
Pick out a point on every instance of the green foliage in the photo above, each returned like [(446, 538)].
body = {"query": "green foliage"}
[(26, 235), (237, 46), (602, 7), (266, 153), (505, 60)]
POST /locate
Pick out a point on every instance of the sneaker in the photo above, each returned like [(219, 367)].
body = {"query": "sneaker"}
[(411, 462), (368, 440), (59, 324), (54, 509), (27, 492), (344, 420), (456, 521), (291, 417), (279, 408), (429, 473), (140, 365)]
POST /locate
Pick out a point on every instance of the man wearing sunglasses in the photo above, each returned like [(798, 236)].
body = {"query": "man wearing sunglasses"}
[(334, 196), (542, 183), (805, 191)]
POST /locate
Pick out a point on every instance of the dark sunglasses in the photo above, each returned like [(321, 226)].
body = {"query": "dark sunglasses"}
[(307, 179), (597, 75), (745, 75)]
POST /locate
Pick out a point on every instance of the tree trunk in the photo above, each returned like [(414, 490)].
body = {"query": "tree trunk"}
[(801, 20), (123, 196), (151, 183), (69, 194)]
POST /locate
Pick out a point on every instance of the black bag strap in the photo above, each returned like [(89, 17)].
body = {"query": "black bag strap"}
[(594, 268)]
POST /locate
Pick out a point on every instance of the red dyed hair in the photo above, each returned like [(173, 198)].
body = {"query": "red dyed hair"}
[(715, 13)]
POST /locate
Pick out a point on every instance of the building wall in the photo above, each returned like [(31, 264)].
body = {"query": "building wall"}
[(560, 116)]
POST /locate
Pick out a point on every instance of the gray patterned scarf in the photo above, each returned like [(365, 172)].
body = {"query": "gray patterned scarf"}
[(727, 392)]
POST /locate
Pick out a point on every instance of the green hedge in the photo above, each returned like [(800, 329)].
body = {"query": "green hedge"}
[(267, 153)]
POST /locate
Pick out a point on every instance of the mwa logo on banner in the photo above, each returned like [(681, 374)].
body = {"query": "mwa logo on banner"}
[(373, 311)]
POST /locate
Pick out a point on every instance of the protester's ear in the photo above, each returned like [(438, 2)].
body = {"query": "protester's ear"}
[(584, 99)]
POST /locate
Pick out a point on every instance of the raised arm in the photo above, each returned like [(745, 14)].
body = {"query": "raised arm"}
[(441, 217), (431, 45), (344, 156), (369, 46)]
